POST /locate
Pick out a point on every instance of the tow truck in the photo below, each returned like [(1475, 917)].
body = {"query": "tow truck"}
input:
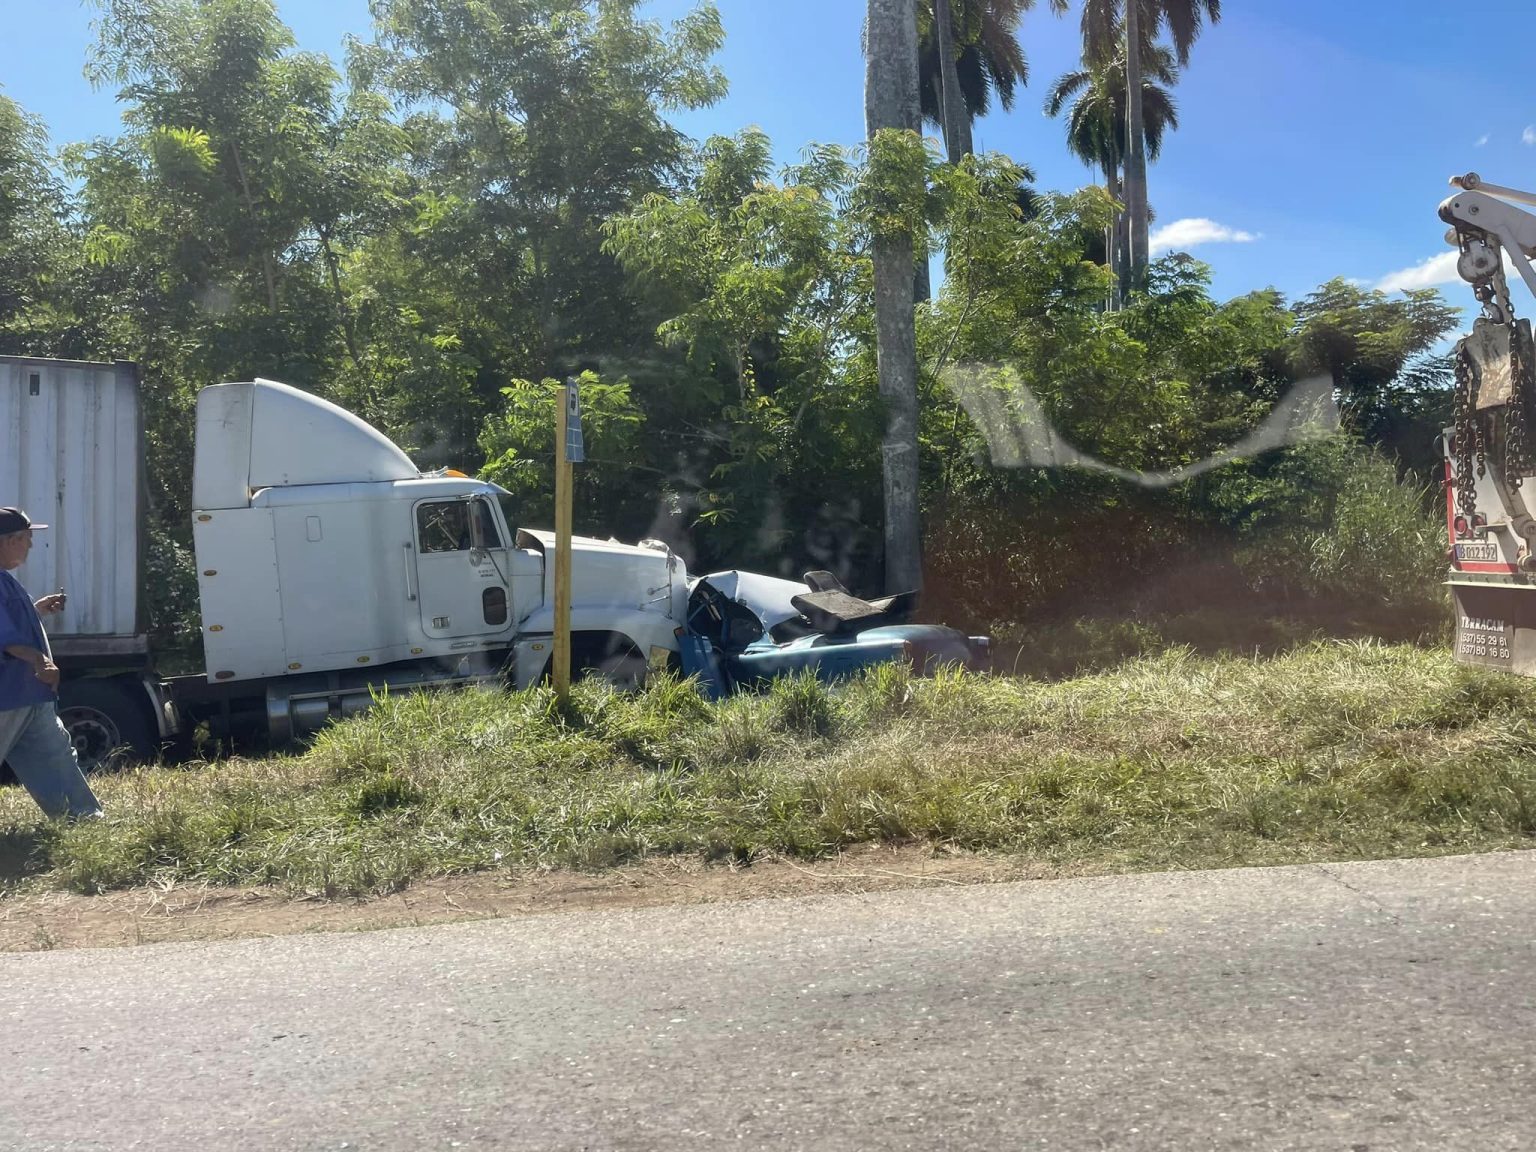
[(1490, 513)]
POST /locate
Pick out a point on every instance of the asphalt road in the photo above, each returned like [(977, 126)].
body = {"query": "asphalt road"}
[(1386, 1006)]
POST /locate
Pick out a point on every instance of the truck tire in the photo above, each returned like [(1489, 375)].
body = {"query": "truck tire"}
[(610, 656), (624, 670), (109, 722)]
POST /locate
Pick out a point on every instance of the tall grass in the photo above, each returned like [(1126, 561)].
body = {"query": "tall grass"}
[(1332, 520), (1333, 750)]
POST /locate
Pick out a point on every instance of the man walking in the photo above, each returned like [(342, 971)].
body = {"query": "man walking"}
[(32, 740)]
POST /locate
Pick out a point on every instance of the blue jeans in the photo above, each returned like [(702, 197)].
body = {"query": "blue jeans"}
[(39, 751)]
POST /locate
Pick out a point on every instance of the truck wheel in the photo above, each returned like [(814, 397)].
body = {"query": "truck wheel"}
[(609, 655), (108, 720), (625, 670)]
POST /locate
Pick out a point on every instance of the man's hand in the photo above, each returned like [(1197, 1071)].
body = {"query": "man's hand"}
[(49, 604), (42, 666)]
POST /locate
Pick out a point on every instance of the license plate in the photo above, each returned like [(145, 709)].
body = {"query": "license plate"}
[(1478, 552)]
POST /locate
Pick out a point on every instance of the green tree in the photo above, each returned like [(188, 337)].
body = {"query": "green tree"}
[(970, 48), (607, 493), (1030, 366), (213, 91), (219, 220), (767, 433), (1110, 29), (1393, 389), (531, 122), (35, 246), (1097, 126)]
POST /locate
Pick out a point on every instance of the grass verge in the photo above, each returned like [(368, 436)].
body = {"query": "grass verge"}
[(1335, 750)]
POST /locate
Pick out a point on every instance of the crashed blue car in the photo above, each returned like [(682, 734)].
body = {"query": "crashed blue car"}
[(744, 629)]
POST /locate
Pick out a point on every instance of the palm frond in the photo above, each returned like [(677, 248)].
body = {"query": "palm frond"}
[(1066, 87), (1097, 112), (989, 58)]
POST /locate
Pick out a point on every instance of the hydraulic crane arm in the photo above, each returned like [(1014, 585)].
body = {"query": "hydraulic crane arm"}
[(1483, 225), (1495, 395)]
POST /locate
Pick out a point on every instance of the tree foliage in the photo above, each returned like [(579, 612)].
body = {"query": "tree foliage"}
[(34, 244), (988, 58), (530, 124), (492, 195), (1380, 353), (1124, 34), (762, 288)]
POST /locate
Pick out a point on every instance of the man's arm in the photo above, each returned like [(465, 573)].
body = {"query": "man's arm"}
[(16, 641), (42, 667)]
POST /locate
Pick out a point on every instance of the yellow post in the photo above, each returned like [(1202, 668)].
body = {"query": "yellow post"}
[(562, 654)]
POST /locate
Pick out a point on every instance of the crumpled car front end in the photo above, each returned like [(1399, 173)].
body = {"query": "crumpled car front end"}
[(759, 627)]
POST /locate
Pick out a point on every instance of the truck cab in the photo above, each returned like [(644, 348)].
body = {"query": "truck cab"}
[(329, 565), (320, 546)]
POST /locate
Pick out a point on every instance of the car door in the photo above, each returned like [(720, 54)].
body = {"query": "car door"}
[(461, 569)]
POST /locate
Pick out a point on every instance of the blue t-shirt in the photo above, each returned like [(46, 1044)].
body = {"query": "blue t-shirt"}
[(19, 624)]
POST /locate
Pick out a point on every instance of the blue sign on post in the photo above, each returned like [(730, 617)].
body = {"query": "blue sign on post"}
[(574, 451)]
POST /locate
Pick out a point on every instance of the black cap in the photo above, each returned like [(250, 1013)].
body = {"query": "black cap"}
[(15, 520)]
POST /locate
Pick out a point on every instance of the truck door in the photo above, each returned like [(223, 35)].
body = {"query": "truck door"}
[(462, 569)]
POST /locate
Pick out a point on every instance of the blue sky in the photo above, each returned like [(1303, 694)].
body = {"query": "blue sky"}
[(1316, 135)]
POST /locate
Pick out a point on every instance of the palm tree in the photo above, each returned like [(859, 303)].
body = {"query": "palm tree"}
[(891, 101), (983, 57), (1110, 27), (1098, 124), (954, 120)]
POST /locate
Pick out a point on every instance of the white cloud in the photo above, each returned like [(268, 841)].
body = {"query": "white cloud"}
[(1183, 234), (1429, 273), (1481, 140), (1529, 135)]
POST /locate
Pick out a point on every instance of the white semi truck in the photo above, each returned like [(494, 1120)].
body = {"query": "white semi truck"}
[(328, 565)]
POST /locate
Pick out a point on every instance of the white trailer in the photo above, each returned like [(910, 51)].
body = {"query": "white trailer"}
[(328, 564), (70, 453)]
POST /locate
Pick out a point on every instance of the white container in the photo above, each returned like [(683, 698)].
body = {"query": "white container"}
[(70, 456)]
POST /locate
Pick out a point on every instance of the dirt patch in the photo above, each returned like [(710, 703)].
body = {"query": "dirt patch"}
[(38, 921)]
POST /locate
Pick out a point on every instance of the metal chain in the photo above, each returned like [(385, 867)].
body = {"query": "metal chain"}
[(1471, 427), (1517, 460), (1466, 435)]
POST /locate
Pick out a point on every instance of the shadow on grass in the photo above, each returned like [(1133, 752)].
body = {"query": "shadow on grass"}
[(23, 853), (1211, 619)]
